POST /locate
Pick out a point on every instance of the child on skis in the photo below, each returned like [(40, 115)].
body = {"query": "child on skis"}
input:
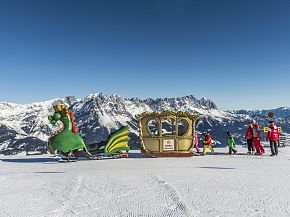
[(207, 143), (196, 143), (257, 140), (231, 144)]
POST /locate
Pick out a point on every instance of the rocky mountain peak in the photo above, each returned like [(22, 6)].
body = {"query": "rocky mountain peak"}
[(27, 127)]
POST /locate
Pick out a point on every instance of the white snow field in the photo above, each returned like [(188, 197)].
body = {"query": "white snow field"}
[(219, 185)]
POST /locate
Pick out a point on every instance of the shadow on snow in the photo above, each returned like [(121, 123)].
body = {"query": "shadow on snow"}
[(48, 160), (29, 160), (217, 168)]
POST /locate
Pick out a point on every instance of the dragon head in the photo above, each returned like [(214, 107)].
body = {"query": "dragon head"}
[(60, 111)]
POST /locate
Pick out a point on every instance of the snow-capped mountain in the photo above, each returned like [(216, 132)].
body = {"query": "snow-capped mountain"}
[(26, 127)]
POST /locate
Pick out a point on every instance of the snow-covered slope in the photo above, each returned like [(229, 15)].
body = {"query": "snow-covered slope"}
[(26, 126), (210, 186)]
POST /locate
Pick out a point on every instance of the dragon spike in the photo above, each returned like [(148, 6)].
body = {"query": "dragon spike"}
[(59, 108)]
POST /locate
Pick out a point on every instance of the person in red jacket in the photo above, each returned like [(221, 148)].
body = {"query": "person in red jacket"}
[(257, 140), (249, 137), (273, 136), (207, 143)]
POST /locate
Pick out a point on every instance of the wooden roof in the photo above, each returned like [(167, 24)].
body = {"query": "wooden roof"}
[(167, 113)]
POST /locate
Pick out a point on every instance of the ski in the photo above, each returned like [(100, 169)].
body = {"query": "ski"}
[(66, 160)]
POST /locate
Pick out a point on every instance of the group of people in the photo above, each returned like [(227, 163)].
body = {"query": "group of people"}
[(253, 136), (207, 143)]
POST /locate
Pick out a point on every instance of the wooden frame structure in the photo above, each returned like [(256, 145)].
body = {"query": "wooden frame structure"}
[(158, 142)]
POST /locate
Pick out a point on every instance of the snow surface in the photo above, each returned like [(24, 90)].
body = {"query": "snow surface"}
[(210, 186)]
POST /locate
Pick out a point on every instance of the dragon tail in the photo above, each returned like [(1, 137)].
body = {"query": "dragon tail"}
[(118, 141)]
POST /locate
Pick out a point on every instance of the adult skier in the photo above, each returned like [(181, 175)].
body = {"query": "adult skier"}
[(207, 143), (249, 137), (273, 137), (231, 144), (257, 140)]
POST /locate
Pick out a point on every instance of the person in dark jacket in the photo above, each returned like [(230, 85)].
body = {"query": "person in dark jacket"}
[(249, 137)]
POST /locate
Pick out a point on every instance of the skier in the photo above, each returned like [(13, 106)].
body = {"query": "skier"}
[(249, 137), (231, 144), (257, 140), (196, 143), (207, 143), (273, 136)]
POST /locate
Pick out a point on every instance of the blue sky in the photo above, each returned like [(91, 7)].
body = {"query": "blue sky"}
[(234, 52)]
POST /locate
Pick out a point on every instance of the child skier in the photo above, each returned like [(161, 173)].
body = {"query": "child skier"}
[(231, 144), (207, 143), (257, 140), (196, 143)]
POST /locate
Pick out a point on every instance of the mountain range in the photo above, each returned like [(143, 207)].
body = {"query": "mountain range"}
[(25, 127)]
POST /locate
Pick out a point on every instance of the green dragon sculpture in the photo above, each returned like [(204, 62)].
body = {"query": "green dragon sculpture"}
[(68, 141)]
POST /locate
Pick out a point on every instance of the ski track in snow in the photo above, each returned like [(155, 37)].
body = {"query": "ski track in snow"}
[(209, 186)]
